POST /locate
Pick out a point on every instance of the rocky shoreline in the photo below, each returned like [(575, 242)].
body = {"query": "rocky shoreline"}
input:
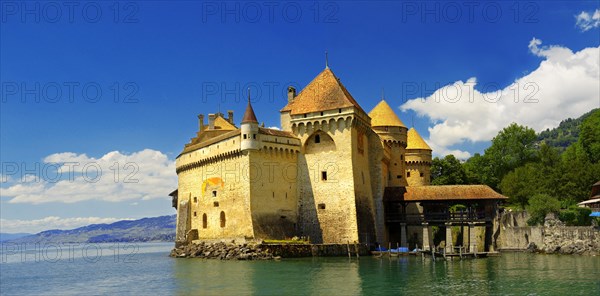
[(223, 251)]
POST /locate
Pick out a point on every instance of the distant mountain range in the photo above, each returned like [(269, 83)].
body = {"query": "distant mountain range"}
[(143, 230), (11, 236)]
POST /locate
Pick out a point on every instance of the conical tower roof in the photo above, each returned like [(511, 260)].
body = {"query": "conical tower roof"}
[(415, 141), (249, 115), (325, 92), (383, 115)]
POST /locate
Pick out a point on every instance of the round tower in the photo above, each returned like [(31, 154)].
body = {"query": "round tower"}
[(393, 134), (249, 130), (418, 160)]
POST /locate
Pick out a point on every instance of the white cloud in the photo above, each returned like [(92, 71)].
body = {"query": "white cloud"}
[(587, 21), (115, 177), (566, 84), (51, 222), (275, 128)]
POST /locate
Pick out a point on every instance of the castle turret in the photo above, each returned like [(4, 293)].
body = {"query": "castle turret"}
[(418, 160), (249, 130), (393, 133)]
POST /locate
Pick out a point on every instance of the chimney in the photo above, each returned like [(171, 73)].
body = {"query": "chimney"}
[(200, 122), (230, 116), (291, 93), (211, 121)]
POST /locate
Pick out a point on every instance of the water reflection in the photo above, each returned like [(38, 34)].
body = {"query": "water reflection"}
[(513, 273)]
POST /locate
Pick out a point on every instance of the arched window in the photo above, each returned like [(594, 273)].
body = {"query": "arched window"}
[(204, 221), (222, 219), (317, 139)]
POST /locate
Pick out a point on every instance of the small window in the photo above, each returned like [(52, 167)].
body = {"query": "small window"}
[(395, 164), (214, 193), (254, 136), (401, 157), (194, 214), (273, 194), (321, 113), (304, 115), (339, 110), (216, 204), (245, 136), (324, 175), (222, 219), (195, 199), (204, 221), (408, 174), (317, 139), (282, 217), (399, 177), (422, 174), (321, 206)]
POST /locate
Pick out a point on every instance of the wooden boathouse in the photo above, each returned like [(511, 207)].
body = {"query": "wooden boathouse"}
[(425, 216)]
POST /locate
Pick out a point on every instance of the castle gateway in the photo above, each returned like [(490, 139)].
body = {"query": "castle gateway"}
[(334, 173)]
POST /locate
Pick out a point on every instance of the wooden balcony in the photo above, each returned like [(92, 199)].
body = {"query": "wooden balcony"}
[(465, 217)]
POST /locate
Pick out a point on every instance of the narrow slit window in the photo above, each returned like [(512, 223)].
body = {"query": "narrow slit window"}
[(222, 219), (254, 136), (408, 174), (245, 137), (421, 174), (317, 139), (214, 193), (324, 175), (204, 221)]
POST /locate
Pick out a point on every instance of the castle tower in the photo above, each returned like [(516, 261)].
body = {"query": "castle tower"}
[(334, 171), (393, 134), (418, 160), (249, 129)]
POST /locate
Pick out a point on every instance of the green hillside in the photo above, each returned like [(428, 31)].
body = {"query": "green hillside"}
[(565, 134)]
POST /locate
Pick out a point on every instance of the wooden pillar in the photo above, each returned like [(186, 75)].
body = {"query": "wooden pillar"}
[(472, 237), (403, 242), (426, 237), (448, 237)]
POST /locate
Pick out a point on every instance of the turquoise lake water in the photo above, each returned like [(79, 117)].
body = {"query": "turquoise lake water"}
[(145, 269)]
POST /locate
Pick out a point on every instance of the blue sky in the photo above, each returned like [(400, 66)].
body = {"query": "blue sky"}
[(158, 64)]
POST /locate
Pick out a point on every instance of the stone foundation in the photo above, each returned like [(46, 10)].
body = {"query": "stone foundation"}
[(259, 251)]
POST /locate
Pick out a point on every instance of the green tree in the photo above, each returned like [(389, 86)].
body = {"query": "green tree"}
[(539, 206), (511, 148), (589, 136), (521, 184), (447, 171), (478, 170)]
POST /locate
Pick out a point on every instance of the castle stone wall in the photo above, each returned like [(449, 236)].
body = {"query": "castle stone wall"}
[(273, 190)]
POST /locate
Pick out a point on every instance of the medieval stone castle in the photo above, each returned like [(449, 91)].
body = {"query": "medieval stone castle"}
[(330, 174)]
